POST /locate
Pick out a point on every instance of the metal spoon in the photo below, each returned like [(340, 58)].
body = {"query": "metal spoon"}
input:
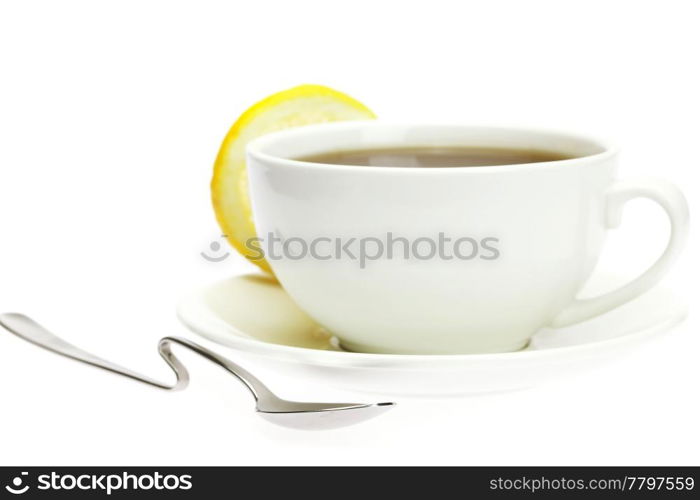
[(293, 414)]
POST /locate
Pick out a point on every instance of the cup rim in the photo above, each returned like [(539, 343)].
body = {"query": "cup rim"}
[(257, 148)]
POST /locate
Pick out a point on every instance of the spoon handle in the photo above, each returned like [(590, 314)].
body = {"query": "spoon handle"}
[(31, 331)]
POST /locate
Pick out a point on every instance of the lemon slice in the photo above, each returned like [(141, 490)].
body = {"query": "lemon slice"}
[(302, 105)]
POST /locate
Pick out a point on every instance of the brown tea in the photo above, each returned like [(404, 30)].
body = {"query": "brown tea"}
[(431, 157)]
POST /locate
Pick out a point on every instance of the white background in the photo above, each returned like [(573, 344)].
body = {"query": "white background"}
[(110, 118)]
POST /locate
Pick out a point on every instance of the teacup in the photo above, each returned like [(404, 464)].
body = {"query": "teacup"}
[(532, 234)]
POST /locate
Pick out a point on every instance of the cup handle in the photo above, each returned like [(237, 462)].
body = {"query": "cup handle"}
[(674, 203)]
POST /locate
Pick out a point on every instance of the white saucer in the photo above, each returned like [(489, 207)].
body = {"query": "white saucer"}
[(252, 314)]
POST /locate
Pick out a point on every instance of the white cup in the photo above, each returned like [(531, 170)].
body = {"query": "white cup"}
[(533, 233)]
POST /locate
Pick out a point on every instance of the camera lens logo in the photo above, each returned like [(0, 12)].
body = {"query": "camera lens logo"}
[(215, 247), (16, 487)]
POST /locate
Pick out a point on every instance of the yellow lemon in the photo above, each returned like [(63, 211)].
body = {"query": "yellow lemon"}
[(302, 105)]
